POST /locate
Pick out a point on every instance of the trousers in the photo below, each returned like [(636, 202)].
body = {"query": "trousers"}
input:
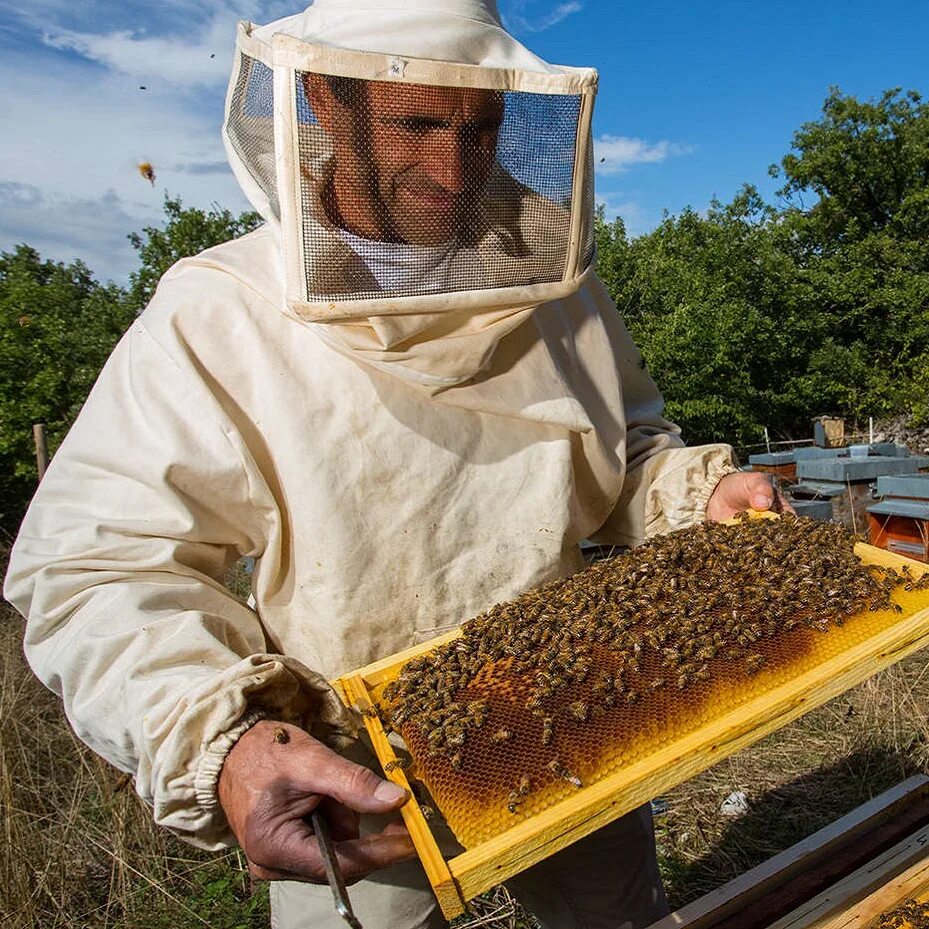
[(607, 880)]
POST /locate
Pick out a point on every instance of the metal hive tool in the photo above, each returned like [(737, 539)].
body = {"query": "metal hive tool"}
[(551, 715)]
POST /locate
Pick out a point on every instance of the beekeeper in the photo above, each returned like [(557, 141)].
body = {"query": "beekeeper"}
[(408, 397)]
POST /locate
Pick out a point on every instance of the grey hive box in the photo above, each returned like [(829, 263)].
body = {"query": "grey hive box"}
[(810, 452), (772, 458), (855, 469), (815, 509), (904, 485)]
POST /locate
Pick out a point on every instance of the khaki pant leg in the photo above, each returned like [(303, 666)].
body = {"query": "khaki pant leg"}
[(607, 880), (396, 898)]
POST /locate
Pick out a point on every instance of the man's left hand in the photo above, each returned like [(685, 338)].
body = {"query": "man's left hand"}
[(743, 490)]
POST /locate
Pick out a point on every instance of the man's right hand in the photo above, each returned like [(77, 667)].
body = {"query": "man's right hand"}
[(275, 776)]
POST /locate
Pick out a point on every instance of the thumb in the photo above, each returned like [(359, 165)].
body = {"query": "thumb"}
[(762, 500), (757, 490), (355, 786)]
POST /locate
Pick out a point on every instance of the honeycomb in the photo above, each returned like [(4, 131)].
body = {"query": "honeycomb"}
[(574, 680)]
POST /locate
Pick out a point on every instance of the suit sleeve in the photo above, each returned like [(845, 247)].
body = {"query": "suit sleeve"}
[(118, 569)]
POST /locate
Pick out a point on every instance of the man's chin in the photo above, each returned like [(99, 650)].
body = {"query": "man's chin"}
[(424, 230)]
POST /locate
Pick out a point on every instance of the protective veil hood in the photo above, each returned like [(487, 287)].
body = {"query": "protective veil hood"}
[(429, 177)]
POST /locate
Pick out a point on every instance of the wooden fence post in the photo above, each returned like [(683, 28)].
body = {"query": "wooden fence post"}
[(41, 449)]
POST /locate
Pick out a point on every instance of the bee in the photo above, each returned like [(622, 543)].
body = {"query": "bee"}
[(427, 811), (579, 710), (396, 764), (548, 731), (559, 770), (147, 171), (501, 735)]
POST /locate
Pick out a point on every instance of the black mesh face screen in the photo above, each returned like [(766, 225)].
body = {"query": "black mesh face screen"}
[(251, 127), (412, 189)]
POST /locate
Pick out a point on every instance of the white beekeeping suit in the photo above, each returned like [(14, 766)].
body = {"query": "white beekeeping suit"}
[(407, 396)]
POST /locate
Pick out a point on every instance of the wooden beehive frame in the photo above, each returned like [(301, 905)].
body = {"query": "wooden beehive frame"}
[(476, 870)]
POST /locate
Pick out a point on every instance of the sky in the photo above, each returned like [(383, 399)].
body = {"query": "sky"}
[(696, 98)]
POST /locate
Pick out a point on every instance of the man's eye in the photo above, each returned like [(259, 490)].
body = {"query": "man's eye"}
[(416, 124)]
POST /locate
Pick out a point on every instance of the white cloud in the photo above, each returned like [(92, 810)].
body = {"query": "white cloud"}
[(615, 153), (91, 228), (70, 159), (77, 125), (636, 218), (527, 16), (157, 58)]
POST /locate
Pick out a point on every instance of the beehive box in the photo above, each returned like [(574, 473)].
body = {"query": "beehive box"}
[(534, 779)]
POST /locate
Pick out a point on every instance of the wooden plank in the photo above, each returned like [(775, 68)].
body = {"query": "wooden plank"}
[(886, 559), (896, 875), (446, 891), (41, 449), (387, 668), (820, 858)]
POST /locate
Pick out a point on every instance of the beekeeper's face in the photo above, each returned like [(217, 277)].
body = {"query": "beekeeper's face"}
[(411, 161)]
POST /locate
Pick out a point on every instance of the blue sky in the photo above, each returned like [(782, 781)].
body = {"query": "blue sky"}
[(695, 99)]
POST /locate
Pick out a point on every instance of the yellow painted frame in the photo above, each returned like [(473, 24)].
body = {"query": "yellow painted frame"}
[(459, 879)]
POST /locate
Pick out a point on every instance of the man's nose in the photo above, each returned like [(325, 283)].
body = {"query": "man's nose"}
[(445, 162)]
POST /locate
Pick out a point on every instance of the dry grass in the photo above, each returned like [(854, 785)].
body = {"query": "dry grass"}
[(79, 849), (797, 780)]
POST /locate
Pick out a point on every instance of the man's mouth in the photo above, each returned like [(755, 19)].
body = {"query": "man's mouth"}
[(433, 198)]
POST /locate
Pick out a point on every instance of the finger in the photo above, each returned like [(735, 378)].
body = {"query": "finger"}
[(354, 785), (759, 491), (274, 874), (359, 857), (343, 822), (293, 856), (785, 504), (297, 857)]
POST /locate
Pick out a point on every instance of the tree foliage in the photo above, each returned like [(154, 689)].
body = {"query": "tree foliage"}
[(755, 315), (187, 231), (58, 325)]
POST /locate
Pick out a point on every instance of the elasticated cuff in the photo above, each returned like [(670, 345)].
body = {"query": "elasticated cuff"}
[(206, 780), (714, 474)]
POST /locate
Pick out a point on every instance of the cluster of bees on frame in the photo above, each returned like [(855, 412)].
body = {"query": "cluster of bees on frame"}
[(911, 914), (686, 606)]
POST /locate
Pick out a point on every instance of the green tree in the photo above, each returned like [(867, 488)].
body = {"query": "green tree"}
[(863, 244), (866, 165), (718, 312), (755, 315), (57, 327), (187, 231)]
